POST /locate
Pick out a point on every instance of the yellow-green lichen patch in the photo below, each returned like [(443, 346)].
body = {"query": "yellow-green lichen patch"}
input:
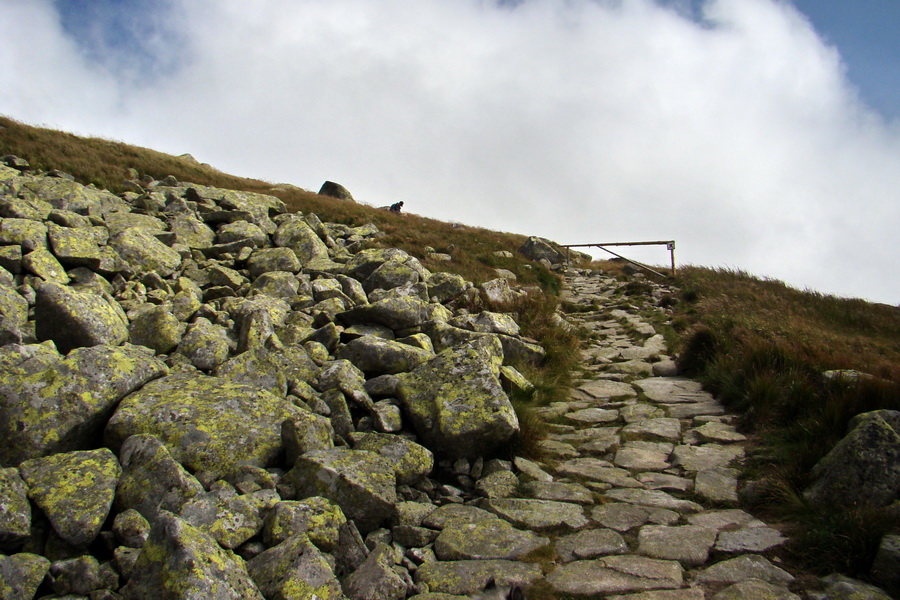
[(75, 491), (63, 406), (207, 423), (295, 569), (179, 561), (21, 574)]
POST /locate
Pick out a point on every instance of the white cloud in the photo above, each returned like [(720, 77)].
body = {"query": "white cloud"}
[(736, 134)]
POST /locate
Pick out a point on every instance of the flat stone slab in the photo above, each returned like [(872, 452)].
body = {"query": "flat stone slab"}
[(616, 574), (592, 543), (622, 516), (664, 481), (558, 491), (538, 515), (485, 540), (633, 413), (695, 409), (718, 484), (592, 416), (597, 470), (751, 539), (661, 428), (749, 566), (698, 458), (670, 390), (685, 594), (654, 499), (640, 459), (754, 589), (603, 389), (719, 432), (729, 519), (688, 544), (466, 577)]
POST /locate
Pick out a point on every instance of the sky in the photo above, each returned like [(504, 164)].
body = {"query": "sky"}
[(761, 135)]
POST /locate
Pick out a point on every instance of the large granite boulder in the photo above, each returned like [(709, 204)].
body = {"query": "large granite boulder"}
[(157, 328), (376, 356), (396, 312), (864, 467), (144, 253), (179, 561), (297, 235), (456, 403), (74, 490), (335, 190), (411, 462), (15, 510), (73, 318), (209, 424), (21, 574), (362, 483), (295, 568), (50, 404), (537, 249)]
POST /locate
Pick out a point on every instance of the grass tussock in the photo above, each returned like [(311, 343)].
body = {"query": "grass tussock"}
[(762, 347)]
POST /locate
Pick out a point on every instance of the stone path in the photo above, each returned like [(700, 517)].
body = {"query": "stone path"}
[(638, 491)]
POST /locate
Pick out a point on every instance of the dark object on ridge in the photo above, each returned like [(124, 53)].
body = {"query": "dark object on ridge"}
[(396, 207), (335, 190)]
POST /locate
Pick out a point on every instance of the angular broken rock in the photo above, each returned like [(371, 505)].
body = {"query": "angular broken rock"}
[(73, 319), (484, 540), (362, 483), (616, 574)]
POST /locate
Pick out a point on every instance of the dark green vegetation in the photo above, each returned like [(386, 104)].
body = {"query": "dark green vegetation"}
[(762, 347)]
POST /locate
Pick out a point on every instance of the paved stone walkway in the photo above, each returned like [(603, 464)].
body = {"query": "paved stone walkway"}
[(639, 490)]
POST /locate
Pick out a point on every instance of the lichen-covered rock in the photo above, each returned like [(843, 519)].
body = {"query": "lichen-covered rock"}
[(537, 249), (156, 328), (241, 230), (28, 234), (864, 467), (131, 528), (119, 222), (396, 312), (144, 253), (42, 263), (318, 518), (207, 423), (151, 479), (616, 574), (206, 345), (538, 515), (376, 578), (13, 307), (229, 518), (76, 576), (15, 511), (257, 367), (376, 356), (304, 432), (74, 247), (396, 272), (362, 483), (445, 286), (277, 284), (191, 231), (265, 260), (295, 569), (335, 190), (73, 319), (466, 577), (75, 490), (297, 235), (345, 376), (456, 403), (179, 561), (21, 575), (64, 405), (411, 461), (484, 540)]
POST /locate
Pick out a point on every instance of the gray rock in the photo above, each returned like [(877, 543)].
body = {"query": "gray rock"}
[(21, 574), (228, 518), (297, 235), (76, 576), (74, 247), (151, 479), (131, 528), (742, 568), (206, 345), (73, 319), (445, 286), (28, 234), (688, 544), (376, 578), (397, 313), (616, 574), (718, 484), (15, 510), (538, 515), (156, 328), (485, 540), (144, 253), (699, 458), (840, 587), (750, 539), (304, 432), (265, 260), (376, 356), (190, 562), (558, 491), (74, 490), (653, 499), (886, 567), (467, 577), (319, 519), (591, 543), (62, 404), (411, 462), (864, 467), (456, 404), (755, 589), (191, 231), (500, 484), (277, 284), (362, 483), (335, 190), (207, 423), (537, 249)]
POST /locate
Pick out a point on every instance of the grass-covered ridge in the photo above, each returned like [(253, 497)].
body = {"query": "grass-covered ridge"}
[(762, 348)]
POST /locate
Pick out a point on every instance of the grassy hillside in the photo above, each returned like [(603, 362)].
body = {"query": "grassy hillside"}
[(762, 347)]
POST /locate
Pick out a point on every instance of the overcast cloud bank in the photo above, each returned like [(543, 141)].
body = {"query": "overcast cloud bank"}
[(734, 131)]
